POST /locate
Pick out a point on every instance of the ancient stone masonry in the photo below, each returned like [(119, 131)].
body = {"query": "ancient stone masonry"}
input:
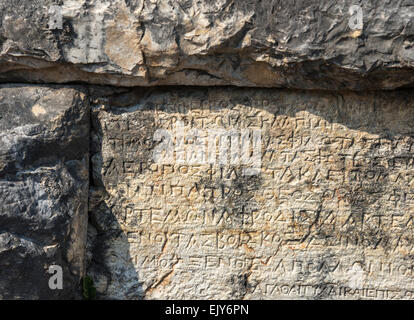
[(329, 214), (273, 43), (44, 156), (203, 149)]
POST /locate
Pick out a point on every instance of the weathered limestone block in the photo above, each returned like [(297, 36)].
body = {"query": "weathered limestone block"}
[(44, 182), (328, 215), (274, 43)]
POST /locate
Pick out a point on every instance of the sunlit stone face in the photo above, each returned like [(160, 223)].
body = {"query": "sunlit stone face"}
[(253, 193)]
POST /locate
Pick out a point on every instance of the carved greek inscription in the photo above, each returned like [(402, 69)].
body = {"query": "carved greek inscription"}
[(329, 214)]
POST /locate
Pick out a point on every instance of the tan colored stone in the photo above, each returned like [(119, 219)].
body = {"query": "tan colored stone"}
[(246, 43), (329, 216)]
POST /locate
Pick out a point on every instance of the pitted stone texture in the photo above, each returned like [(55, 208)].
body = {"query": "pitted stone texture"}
[(274, 43), (329, 216), (44, 162)]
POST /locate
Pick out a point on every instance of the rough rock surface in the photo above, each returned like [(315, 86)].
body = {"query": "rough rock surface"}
[(44, 159), (329, 215), (297, 44), (298, 184)]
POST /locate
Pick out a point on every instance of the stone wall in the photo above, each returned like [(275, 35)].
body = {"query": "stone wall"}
[(273, 43), (327, 215), (207, 149), (44, 182)]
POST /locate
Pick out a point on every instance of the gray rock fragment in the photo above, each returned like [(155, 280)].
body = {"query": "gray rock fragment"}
[(302, 44), (43, 182)]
